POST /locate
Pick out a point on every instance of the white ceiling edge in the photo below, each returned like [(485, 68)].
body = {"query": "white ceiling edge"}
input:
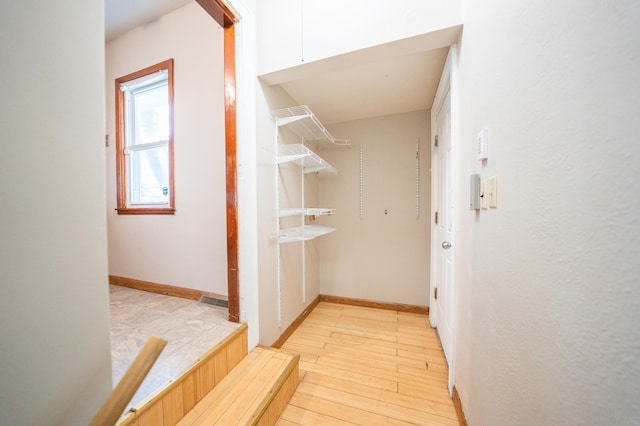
[(122, 16), (421, 43), (394, 85)]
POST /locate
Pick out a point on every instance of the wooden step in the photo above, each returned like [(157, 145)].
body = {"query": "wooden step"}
[(255, 392), (169, 405)]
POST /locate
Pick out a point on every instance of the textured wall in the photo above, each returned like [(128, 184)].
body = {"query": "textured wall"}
[(189, 248), (549, 295), (293, 31), (382, 257), (55, 358), (289, 179)]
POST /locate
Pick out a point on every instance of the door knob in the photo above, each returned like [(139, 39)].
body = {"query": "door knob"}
[(446, 245)]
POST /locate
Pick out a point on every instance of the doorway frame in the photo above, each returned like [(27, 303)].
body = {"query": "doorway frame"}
[(227, 19), (447, 85)]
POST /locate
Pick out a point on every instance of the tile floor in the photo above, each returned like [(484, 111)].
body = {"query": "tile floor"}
[(191, 329)]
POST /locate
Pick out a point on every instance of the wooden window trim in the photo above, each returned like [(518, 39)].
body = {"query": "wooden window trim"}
[(121, 182)]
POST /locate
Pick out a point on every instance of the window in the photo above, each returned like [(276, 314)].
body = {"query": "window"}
[(144, 141)]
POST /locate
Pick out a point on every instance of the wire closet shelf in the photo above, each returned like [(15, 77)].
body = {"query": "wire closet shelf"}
[(304, 123), (305, 158)]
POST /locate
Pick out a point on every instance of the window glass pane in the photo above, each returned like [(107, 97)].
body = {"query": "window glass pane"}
[(149, 175), (151, 115)]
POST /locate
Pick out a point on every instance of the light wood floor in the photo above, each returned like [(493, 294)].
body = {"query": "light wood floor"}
[(368, 366)]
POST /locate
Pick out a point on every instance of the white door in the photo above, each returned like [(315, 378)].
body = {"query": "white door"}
[(444, 229)]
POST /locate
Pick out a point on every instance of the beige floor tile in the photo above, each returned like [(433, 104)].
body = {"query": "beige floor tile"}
[(191, 329)]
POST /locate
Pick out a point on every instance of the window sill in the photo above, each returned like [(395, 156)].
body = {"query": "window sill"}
[(146, 210)]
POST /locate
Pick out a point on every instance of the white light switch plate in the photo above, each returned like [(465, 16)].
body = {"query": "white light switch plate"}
[(484, 197), (492, 190)]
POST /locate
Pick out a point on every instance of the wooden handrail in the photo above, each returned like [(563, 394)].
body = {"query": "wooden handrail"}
[(120, 396)]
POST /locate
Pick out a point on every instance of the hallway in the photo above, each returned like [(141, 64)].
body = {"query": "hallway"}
[(368, 366)]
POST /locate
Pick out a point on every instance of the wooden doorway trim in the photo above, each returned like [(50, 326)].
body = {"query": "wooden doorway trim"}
[(226, 18)]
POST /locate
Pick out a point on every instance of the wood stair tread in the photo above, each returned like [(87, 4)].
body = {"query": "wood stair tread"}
[(244, 395)]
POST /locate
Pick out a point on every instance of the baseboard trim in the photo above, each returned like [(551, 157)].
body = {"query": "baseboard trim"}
[(457, 404), (373, 304), (295, 324), (167, 290)]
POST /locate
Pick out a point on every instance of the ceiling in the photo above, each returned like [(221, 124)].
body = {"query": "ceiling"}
[(124, 15), (393, 85), (397, 81)]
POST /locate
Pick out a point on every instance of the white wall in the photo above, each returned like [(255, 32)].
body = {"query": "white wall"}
[(292, 302), (189, 248), (294, 31), (549, 295), (333, 31), (383, 257), (55, 359), (245, 37)]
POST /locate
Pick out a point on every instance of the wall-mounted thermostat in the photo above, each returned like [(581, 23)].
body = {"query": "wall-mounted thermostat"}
[(482, 145), (474, 199)]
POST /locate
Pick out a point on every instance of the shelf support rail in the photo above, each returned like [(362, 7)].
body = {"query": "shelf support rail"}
[(418, 179), (303, 220), (278, 269)]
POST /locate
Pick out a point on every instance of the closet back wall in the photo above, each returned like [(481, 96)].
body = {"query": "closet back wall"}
[(381, 257), (187, 249)]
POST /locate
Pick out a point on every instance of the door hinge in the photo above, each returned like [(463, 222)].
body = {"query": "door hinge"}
[(435, 143), (436, 218), (435, 293)]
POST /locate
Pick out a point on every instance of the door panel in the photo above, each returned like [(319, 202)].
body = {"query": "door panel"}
[(444, 232)]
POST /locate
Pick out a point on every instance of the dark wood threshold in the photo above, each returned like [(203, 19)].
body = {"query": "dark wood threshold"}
[(167, 290), (373, 304), (295, 324), (457, 403)]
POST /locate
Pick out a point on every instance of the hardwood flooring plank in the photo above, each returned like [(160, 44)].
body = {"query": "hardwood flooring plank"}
[(389, 319), (365, 353), (305, 353), (340, 411), (434, 371), (325, 356), (362, 345), (413, 318), (382, 335), (353, 376), (443, 408), (374, 340), (369, 325), (426, 378), (418, 341), (302, 341), (331, 305), (301, 416), (374, 406), (362, 365), (313, 331), (432, 357), (369, 312), (433, 392), (283, 422)]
